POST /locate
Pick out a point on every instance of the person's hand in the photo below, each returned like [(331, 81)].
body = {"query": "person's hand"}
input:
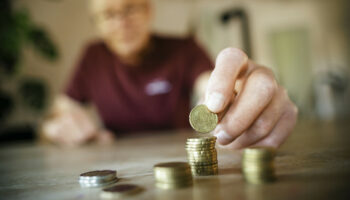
[(257, 111), (70, 125)]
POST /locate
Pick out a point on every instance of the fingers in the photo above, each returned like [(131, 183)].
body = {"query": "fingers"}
[(87, 129), (282, 130), (264, 124), (105, 137), (258, 91), (69, 129), (51, 129), (62, 131), (229, 64)]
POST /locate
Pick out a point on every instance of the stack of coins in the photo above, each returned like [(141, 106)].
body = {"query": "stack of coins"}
[(173, 175), (97, 178), (257, 165), (202, 156)]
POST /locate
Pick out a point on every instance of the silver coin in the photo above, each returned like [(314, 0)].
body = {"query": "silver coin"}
[(98, 174), (96, 181), (100, 179), (97, 184)]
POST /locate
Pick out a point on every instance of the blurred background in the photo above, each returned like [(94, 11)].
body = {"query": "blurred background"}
[(305, 42)]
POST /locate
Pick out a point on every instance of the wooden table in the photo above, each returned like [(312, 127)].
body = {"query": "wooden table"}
[(313, 164)]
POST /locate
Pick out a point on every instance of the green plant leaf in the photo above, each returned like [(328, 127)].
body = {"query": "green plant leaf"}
[(14, 28), (6, 105), (33, 93), (42, 43)]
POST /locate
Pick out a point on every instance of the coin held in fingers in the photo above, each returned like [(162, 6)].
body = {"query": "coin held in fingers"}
[(202, 119)]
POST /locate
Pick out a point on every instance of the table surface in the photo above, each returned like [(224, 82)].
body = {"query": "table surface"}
[(313, 164)]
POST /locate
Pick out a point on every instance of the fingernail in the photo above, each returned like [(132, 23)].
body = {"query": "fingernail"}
[(223, 137), (215, 101)]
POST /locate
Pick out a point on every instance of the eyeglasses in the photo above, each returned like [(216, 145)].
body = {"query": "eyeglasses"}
[(111, 15)]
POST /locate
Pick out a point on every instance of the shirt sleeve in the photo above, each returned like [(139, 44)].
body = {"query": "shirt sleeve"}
[(77, 87), (199, 62)]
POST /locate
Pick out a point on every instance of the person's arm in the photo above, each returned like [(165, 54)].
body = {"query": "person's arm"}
[(70, 124), (259, 111)]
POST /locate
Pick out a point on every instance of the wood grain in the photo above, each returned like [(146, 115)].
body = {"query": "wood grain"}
[(313, 164)]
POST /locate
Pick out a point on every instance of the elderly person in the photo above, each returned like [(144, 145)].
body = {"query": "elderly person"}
[(141, 82)]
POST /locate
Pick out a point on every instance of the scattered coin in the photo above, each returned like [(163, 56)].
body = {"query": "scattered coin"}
[(98, 178), (173, 175), (120, 191), (202, 119), (257, 165), (202, 155)]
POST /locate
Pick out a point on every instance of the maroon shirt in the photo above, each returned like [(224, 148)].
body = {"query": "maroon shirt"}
[(152, 96)]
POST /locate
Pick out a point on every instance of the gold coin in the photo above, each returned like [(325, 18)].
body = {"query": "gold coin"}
[(201, 154), (266, 173), (205, 172), (202, 120), (171, 166), (203, 146), (201, 139), (193, 158), (200, 151), (161, 175), (260, 153), (173, 175), (202, 161), (208, 166), (258, 178), (200, 145), (193, 163), (196, 169), (170, 172), (257, 165)]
